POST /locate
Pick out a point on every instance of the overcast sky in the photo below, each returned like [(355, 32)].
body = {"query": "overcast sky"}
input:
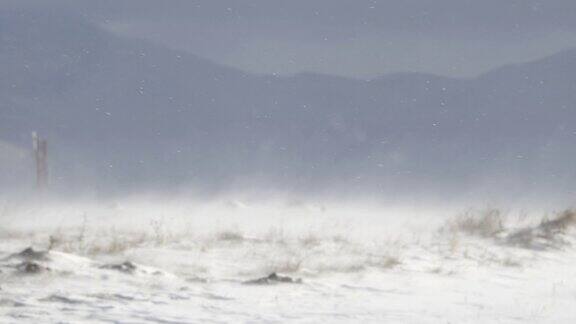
[(357, 38)]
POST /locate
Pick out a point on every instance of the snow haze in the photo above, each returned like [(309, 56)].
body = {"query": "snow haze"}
[(287, 161)]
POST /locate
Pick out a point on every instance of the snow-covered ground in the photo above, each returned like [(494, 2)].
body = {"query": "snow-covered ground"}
[(167, 262)]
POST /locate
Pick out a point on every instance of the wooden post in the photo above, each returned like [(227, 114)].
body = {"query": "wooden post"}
[(41, 158)]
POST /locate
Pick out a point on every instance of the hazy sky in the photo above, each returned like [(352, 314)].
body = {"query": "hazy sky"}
[(357, 38)]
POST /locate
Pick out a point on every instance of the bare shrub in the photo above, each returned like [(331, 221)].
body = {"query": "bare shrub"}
[(511, 263), (310, 240), (485, 223), (82, 233), (230, 236), (118, 243), (340, 239), (559, 224), (158, 230), (548, 234), (384, 262), (99, 242), (54, 241)]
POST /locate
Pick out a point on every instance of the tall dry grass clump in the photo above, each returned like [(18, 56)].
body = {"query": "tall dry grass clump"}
[(485, 223), (564, 220), (548, 234)]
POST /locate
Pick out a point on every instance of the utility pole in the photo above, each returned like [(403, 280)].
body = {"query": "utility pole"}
[(41, 157)]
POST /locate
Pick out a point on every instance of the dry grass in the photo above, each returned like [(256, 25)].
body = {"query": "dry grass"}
[(510, 262), (485, 223), (288, 265), (230, 236), (158, 230), (564, 220), (489, 223), (342, 268), (340, 239), (548, 234), (97, 243), (309, 240), (384, 262)]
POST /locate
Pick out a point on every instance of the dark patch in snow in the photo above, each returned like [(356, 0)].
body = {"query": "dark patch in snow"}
[(197, 280), (11, 303), (30, 267), (126, 267), (29, 254), (273, 278), (60, 299)]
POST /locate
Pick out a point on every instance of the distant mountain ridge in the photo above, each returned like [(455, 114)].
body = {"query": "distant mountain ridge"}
[(126, 114)]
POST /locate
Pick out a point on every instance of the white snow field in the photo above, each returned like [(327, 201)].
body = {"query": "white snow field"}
[(160, 262)]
